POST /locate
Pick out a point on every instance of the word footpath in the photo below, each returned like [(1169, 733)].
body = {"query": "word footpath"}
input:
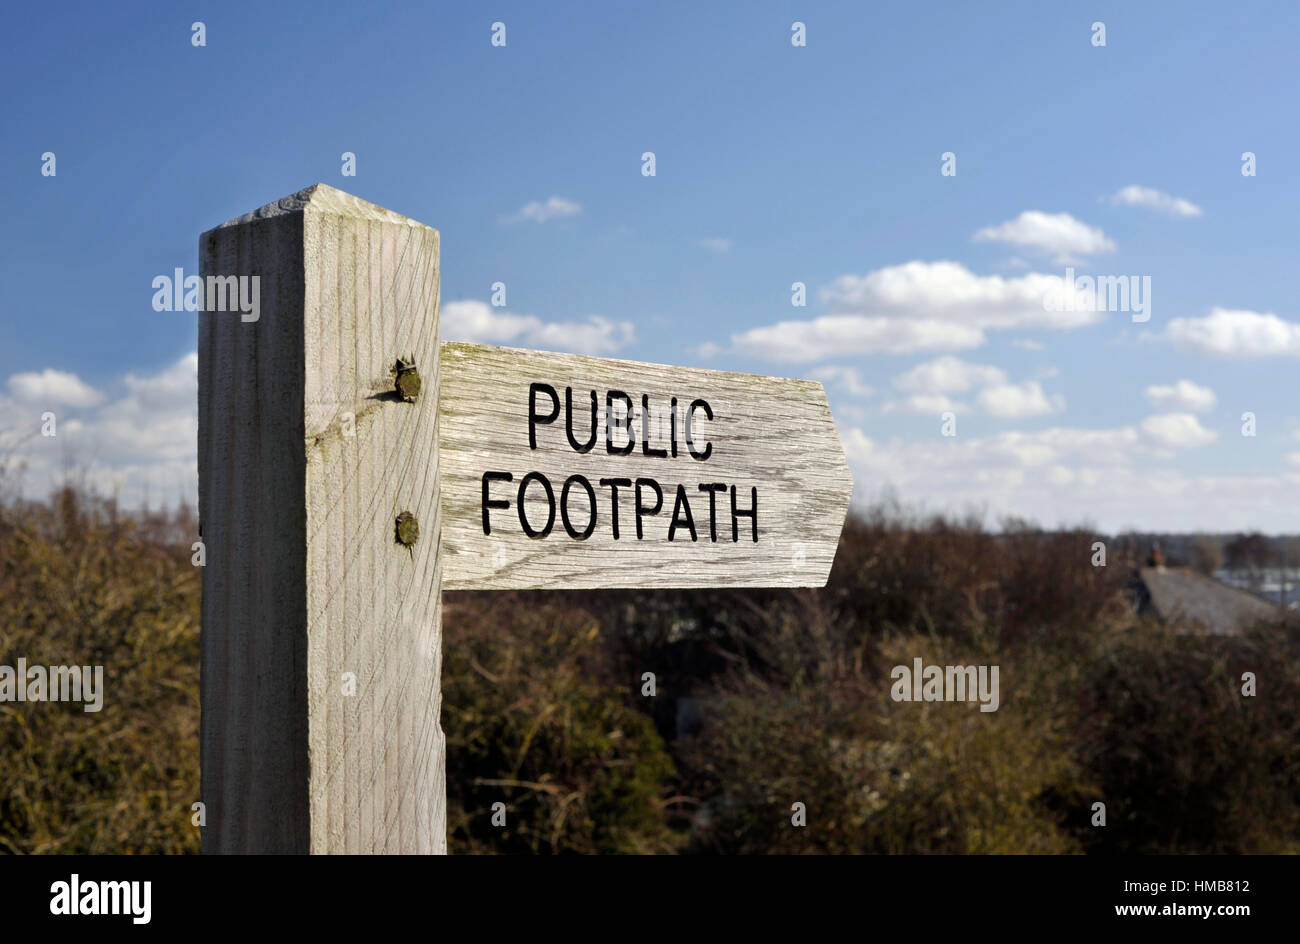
[(683, 519), (560, 470)]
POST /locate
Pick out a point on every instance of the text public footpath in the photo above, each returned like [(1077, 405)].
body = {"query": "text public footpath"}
[(578, 495)]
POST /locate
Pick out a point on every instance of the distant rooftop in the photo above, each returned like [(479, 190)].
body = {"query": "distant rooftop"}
[(1178, 594)]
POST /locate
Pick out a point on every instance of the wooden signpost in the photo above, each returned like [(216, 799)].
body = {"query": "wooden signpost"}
[(351, 467), (567, 471)]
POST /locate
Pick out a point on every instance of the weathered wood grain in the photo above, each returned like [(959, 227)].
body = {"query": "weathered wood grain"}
[(306, 458), (767, 433)]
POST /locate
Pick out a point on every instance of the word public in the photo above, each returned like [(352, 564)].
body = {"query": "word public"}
[(577, 505)]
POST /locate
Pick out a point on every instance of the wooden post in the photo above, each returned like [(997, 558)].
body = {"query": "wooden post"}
[(321, 636), (322, 504)]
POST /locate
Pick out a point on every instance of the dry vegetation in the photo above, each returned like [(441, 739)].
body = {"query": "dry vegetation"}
[(80, 586), (543, 705)]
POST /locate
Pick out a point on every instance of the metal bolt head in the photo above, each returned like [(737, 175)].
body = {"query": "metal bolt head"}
[(408, 380), (408, 529)]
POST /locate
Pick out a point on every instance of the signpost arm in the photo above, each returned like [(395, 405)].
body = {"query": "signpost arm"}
[(321, 639), (562, 471)]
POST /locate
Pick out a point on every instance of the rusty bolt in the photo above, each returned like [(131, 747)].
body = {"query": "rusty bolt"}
[(408, 529), (408, 380)]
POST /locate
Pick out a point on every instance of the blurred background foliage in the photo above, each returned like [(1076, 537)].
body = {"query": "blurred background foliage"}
[(761, 700)]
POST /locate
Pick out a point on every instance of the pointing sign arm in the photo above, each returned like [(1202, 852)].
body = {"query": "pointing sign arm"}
[(632, 474)]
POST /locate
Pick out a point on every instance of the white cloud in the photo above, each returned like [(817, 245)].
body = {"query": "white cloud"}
[(52, 387), (1026, 344), (912, 308), (1236, 334), (1183, 395), (950, 292), (1177, 431), (706, 351), (930, 382), (163, 390), (473, 320), (553, 208), (596, 335), (157, 419), (715, 244), (1151, 198), (140, 446), (846, 378), (841, 335), (948, 374), (1058, 234), (1115, 481), (928, 403), (1019, 400), (973, 468)]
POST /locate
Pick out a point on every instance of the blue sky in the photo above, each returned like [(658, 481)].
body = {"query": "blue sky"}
[(775, 164)]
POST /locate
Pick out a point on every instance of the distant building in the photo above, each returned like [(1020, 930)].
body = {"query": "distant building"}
[(1176, 594)]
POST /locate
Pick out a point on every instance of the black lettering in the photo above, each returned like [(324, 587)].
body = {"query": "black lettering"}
[(533, 416), (736, 514), (672, 422), (489, 477), (625, 423), (641, 510), (614, 486), (645, 431), (568, 421), (564, 504), (690, 436), (680, 505), (713, 488), (550, 500)]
